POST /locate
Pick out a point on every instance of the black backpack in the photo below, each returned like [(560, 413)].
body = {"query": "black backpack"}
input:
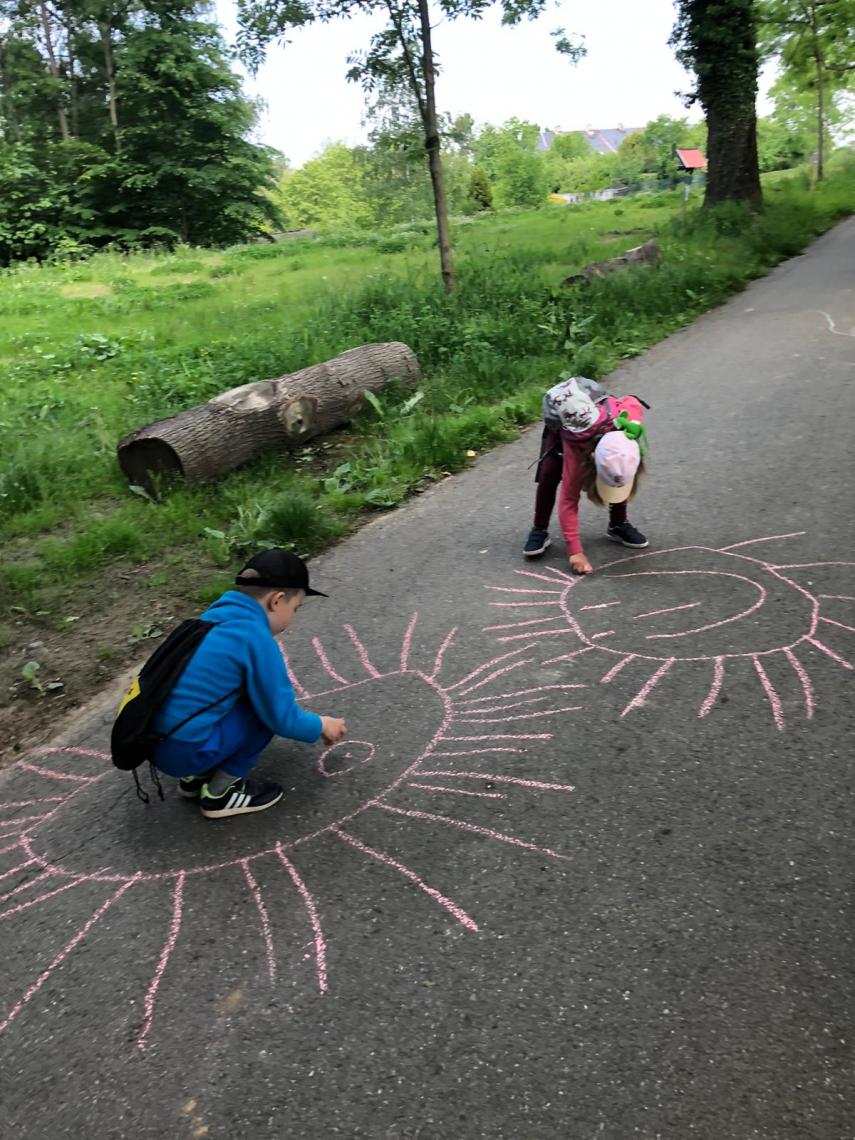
[(133, 738)]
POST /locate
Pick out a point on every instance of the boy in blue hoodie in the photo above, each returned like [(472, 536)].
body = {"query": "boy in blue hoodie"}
[(235, 694)]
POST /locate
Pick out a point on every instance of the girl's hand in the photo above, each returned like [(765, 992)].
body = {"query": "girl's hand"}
[(579, 564)]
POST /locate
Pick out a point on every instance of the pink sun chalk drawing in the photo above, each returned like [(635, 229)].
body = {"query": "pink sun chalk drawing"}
[(471, 720), (723, 605)]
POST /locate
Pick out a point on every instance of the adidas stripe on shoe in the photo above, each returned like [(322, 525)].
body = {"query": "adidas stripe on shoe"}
[(241, 798)]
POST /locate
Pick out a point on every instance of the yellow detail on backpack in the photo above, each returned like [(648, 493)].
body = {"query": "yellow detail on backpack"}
[(133, 691)]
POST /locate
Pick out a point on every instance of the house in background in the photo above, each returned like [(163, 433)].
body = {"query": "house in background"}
[(691, 159), (605, 141)]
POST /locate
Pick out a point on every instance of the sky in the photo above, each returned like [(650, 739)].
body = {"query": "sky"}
[(628, 77)]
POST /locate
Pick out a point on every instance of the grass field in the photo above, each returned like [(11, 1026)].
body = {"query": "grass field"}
[(91, 350)]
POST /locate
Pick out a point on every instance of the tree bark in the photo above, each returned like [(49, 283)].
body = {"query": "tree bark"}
[(234, 427), (107, 42), (820, 95), (53, 67), (432, 145), (733, 170)]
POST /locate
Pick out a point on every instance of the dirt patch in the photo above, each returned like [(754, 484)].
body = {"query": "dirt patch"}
[(94, 632), (85, 289)]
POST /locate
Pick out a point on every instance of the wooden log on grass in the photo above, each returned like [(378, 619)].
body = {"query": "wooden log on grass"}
[(230, 429), (645, 254)]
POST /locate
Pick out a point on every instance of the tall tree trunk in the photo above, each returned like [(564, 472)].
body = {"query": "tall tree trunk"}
[(733, 169), (820, 95), (107, 43), (54, 68), (432, 145)]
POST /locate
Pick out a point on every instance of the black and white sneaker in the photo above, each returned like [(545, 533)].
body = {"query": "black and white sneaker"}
[(626, 534), (242, 797), (537, 542)]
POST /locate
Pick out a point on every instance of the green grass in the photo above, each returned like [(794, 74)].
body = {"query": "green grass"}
[(91, 350)]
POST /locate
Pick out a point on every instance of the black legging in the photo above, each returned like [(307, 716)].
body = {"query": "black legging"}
[(548, 479)]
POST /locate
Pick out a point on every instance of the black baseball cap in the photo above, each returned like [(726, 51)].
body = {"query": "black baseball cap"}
[(280, 570)]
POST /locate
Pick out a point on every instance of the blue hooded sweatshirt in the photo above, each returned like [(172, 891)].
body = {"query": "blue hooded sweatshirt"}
[(239, 653)]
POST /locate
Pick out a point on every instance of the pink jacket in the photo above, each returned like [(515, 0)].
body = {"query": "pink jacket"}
[(568, 493)]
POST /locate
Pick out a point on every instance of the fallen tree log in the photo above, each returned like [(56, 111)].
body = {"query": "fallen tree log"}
[(645, 254), (230, 429)]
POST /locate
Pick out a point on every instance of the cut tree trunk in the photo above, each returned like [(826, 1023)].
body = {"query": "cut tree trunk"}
[(212, 438), (645, 254)]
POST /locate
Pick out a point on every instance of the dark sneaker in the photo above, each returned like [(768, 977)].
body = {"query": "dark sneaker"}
[(191, 786), (626, 534), (536, 543), (242, 797)]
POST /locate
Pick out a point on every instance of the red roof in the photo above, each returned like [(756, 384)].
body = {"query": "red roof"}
[(691, 159)]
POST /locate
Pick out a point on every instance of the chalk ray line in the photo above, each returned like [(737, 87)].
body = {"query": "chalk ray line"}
[(829, 320), (839, 624), (648, 686), (498, 673), (24, 818), (605, 633), (830, 652), (30, 803), (537, 633), (469, 719), (299, 691), (521, 590), (669, 610), (838, 597), (502, 780), (458, 791), (263, 918), (805, 565), (69, 750), (50, 774), (804, 680), (462, 917), (324, 660), (484, 669), (517, 624), (361, 651), (568, 656), (519, 693), (464, 826), (165, 954), (768, 538), (598, 606), (503, 707), (407, 643), (522, 605), (41, 898), (505, 736), (542, 577), (715, 687), (771, 694), (26, 886), (437, 664), (615, 669), (471, 752), (311, 911), (20, 866), (66, 950)]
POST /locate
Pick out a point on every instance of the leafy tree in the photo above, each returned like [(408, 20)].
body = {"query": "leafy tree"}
[(480, 192), (140, 95), (328, 192), (401, 52), (814, 41), (717, 40)]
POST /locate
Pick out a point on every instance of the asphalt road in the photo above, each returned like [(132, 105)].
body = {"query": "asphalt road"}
[(583, 870)]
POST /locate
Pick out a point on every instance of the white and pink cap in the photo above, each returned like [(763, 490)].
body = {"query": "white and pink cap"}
[(617, 458)]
